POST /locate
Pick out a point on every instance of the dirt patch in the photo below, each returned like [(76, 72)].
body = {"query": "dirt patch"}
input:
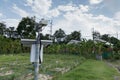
[(45, 77), (41, 77), (29, 76), (62, 70), (7, 73), (2, 68)]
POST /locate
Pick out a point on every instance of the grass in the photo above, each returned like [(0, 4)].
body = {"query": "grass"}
[(59, 66), (90, 70), (51, 62), (14, 66), (20, 66)]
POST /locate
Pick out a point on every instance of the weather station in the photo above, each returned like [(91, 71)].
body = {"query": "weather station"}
[(36, 54)]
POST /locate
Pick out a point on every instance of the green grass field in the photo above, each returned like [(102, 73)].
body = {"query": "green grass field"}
[(90, 70), (59, 67), (18, 67)]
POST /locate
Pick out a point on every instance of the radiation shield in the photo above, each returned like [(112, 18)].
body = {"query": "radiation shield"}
[(33, 55)]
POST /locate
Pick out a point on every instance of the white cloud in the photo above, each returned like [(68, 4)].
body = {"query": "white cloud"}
[(53, 13), (95, 1), (79, 20), (11, 22), (66, 8), (72, 7), (117, 15), (42, 8), (84, 8), (20, 11), (39, 6)]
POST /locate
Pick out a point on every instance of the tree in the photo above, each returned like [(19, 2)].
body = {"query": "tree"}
[(26, 27), (96, 35), (105, 37), (2, 28), (116, 43), (59, 33), (11, 29), (76, 35), (114, 40), (47, 36), (44, 37)]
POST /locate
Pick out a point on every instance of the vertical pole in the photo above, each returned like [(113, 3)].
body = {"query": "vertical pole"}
[(51, 23), (51, 26), (36, 70), (117, 35), (80, 35), (94, 48), (93, 34), (36, 64)]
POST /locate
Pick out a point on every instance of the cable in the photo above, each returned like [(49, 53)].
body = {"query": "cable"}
[(39, 48)]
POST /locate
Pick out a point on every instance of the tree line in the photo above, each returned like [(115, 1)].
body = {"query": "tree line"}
[(10, 39)]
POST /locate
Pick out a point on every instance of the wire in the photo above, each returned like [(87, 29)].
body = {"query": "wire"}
[(39, 48)]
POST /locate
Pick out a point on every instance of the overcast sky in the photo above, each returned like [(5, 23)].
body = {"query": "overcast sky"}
[(70, 15)]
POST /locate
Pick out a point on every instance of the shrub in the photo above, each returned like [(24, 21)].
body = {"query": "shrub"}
[(8, 46)]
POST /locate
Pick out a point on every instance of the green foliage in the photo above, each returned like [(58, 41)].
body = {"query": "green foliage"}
[(83, 49), (59, 33), (105, 37), (87, 49), (2, 28), (9, 46), (44, 37), (112, 40), (26, 28), (76, 35), (96, 34)]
